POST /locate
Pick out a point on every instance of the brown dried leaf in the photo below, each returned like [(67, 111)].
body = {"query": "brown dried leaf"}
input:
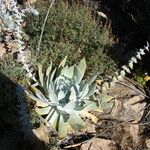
[(134, 107)]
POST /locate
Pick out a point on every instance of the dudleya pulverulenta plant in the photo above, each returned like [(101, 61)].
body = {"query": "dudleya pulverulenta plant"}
[(63, 97)]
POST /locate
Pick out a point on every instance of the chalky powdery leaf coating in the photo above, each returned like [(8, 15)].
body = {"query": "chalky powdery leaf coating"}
[(62, 96)]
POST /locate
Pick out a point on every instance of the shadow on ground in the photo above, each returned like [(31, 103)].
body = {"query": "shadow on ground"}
[(11, 135)]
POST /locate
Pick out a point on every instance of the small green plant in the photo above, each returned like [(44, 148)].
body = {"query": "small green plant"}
[(63, 97), (139, 75), (11, 69)]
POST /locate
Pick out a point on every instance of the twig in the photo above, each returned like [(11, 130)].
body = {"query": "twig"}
[(48, 11)]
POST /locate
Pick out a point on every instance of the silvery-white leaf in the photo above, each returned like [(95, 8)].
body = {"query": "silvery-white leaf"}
[(134, 59), (138, 55), (49, 69), (53, 119), (120, 78), (116, 73), (131, 64), (62, 64), (80, 70), (52, 75), (122, 73), (53, 97), (50, 114), (147, 46), (43, 111), (60, 95), (69, 72), (114, 79), (79, 124), (91, 80), (64, 70), (92, 90), (147, 43), (126, 69), (73, 96), (142, 51), (84, 92), (41, 75)]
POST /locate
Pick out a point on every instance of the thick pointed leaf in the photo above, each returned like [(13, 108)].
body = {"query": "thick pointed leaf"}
[(43, 111), (69, 106), (41, 104), (122, 73), (131, 64), (84, 92), (52, 75), (48, 71), (79, 71), (50, 114), (63, 62), (53, 97), (126, 69), (75, 120), (91, 80), (77, 76), (41, 75), (82, 67), (68, 72), (114, 79), (73, 96), (63, 127), (39, 94), (64, 70), (60, 95), (48, 82), (91, 91), (134, 59), (138, 55), (120, 78), (35, 98), (54, 119)]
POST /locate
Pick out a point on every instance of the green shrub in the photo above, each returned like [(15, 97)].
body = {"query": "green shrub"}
[(71, 31), (11, 69)]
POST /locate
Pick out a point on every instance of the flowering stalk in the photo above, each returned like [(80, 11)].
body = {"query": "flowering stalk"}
[(125, 69), (11, 17)]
